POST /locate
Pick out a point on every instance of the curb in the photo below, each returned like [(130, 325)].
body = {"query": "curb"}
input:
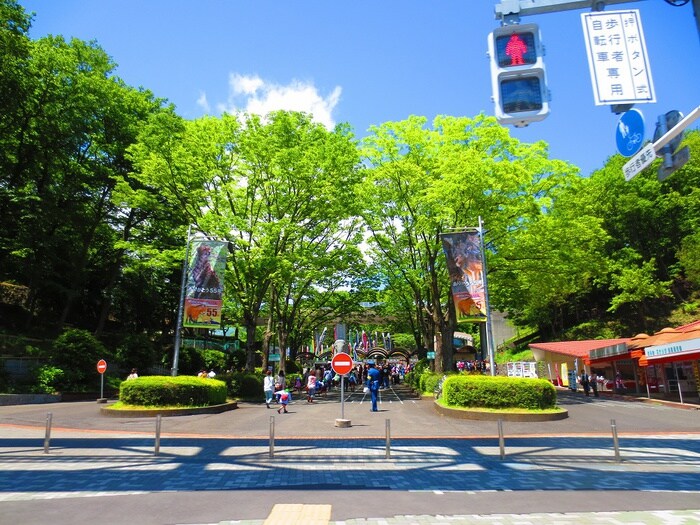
[(168, 412), (495, 416)]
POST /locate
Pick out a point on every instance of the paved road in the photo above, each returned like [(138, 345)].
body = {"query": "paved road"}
[(223, 468)]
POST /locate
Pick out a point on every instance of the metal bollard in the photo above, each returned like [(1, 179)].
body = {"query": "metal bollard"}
[(388, 439), (616, 443), (272, 436), (501, 440), (47, 436), (156, 450)]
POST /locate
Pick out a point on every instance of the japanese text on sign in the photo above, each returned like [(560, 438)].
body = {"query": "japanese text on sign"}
[(617, 57), (639, 162)]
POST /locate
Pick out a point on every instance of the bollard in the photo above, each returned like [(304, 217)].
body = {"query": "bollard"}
[(47, 436), (388, 439), (501, 441), (156, 450), (272, 436), (616, 443)]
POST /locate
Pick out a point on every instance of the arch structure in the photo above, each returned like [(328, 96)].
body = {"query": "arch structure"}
[(371, 353), (383, 353)]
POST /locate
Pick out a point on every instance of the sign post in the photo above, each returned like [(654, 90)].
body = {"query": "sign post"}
[(102, 368), (341, 365)]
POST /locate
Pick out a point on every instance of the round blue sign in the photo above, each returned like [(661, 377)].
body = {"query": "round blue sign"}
[(630, 132)]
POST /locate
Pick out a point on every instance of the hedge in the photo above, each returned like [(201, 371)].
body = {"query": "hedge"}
[(184, 391), (479, 391)]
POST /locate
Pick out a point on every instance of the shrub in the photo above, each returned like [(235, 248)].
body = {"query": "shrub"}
[(243, 384), (498, 392), (47, 379), (428, 381), (136, 351), (76, 352), (186, 391)]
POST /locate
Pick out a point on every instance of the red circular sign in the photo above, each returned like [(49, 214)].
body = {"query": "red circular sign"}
[(341, 363), (101, 366)]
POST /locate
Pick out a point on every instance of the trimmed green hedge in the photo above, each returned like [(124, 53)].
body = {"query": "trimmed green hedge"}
[(480, 391), (184, 391)]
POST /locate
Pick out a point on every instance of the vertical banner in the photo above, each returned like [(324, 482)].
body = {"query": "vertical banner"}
[(205, 284), (465, 266)]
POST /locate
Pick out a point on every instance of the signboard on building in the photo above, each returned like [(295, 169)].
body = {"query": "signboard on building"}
[(617, 57)]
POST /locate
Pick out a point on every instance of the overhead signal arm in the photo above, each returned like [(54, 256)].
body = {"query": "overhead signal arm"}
[(509, 9)]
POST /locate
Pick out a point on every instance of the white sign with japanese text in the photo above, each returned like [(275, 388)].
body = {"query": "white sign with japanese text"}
[(640, 161), (617, 57)]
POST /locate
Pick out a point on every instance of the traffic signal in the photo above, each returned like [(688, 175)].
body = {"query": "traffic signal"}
[(518, 78)]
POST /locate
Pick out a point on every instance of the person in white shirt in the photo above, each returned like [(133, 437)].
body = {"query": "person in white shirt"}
[(268, 387)]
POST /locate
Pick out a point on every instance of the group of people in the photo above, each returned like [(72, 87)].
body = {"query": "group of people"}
[(473, 366), (589, 382), (204, 373), (320, 380)]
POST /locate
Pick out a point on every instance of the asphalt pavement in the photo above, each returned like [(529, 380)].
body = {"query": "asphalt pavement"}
[(613, 460)]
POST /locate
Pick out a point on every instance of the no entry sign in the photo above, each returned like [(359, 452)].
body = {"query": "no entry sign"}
[(341, 363), (102, 366)]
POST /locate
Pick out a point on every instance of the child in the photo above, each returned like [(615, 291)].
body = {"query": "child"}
[(284, 399)]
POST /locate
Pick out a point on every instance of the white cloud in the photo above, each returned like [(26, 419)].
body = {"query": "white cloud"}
[(202, 102), (251, 94)]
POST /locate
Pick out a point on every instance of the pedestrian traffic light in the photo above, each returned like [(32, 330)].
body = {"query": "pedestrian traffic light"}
[(518, 78)]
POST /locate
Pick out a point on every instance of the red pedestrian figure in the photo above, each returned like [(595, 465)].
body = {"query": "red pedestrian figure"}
[(516, 49)]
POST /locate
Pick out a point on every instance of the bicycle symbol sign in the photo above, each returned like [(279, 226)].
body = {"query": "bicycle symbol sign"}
[(630, 133)]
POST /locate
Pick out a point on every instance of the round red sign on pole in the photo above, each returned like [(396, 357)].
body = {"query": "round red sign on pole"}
[(341, 363), (101, 366)]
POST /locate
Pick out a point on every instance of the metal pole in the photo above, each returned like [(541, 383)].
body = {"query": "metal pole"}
[(501, 440), (47, 435), (272, 436), (181, 307), (342, 397), (102, 386), (616, 443), (156, 450), (489, 331), (388, 439), (678, 382)]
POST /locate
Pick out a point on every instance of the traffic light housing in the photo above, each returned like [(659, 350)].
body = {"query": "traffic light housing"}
[(518, 77)]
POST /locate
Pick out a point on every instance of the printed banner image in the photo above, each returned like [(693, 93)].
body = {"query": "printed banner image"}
[(202, 313), (205, 284), (464, 264)]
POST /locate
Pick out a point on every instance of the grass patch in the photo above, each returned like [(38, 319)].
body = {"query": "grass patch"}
[(555, 410), (119, 405)]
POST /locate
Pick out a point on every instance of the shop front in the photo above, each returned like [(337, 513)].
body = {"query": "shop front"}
[(676, 366)]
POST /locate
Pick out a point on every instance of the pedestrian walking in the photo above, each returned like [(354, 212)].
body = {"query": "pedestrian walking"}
[(268, 387), (284, 400), (311, 386), (593, 382), (373, 379), (584, 382)]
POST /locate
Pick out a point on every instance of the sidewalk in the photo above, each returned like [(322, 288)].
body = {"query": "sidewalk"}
[(428, 463)]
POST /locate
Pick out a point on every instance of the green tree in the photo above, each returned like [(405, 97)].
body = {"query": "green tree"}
[(424, 182), (275, 189)]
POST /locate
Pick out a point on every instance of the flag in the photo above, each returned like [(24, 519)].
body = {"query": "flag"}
[(365, 342), (463, 255), (204, 287)]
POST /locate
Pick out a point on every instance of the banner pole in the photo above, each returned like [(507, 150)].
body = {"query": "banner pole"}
[(489, 331), (181, 306)]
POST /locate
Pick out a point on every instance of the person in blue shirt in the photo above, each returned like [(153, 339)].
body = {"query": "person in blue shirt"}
[(373, 377)]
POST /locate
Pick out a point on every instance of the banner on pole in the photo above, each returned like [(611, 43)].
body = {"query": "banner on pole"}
[(466, 270), (205, 284)]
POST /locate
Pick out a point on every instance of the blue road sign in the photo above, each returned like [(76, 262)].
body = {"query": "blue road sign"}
[(630, 132)]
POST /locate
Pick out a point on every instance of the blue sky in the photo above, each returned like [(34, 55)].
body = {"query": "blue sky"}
[(368, 62)]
